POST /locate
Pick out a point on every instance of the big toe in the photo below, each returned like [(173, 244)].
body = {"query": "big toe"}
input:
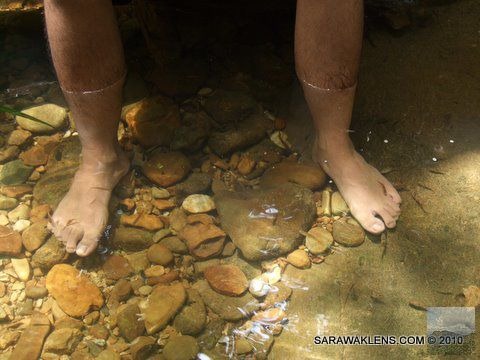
[(71, 235), (387, 217), (366, 217), (87, 245)]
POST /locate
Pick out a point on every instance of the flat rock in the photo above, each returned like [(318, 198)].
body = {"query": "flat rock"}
[(160, 254), (175, 245), (10, 242), (129, 325), (142, 348), (166, 169), (74, 292), (338, 204), (49, 254), (54, 115), (309, 176), (228, 106), (227, 307), (7, 203), (226, 279), (22, 268), (35, 235), (116, 267), (203, 240), (348, 232), (182, 347), (249, 132), (30, 344), (62, 341), (266, 223), (299, 258), (195, 183), (278, 294), (132, 239), (14, 173), (162, 305), (318, 240), (198, 203), (192, 318), (144, 221), (153, 121)]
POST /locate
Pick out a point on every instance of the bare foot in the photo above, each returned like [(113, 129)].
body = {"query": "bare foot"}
[(369, 195), (82, 215)]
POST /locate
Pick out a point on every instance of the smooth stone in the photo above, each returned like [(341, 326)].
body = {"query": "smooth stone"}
[(117, 267), (22, 268), (132, 239), (138, 261), (318, 240), (108, 355), (195, 183), (10, 242), (4, 220), (162, 305), (198, 203), (266, 223), (14, 173), (348, 232), (192, 318), (121, 291), (338, 204), (75, 293), (62, 341), (49, 254), (299, 259), (160, 254), (278, 294), (142, 348), (175, 245), (18, 137), (7, 203), (21, 225), (309, 176), (160, 193), (249, 132), (129, 325), (35, 235), (16, 191), (182, 347), (166, 169), (21, 212), (54, 115), (68, 322), (144, 221), (36, 292), (242, 346), (160, 234), (227, 106), (227, 307), (30, 344), (200, 266), (192, 134), (155, 270), (211, 334), (203, 241), (226, 279), (8, 153)]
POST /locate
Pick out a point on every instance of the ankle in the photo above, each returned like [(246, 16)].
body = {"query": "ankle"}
[(105, 156), (333, 146)]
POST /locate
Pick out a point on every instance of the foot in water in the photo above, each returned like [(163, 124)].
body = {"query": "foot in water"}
[(82, 215), (372, 200)]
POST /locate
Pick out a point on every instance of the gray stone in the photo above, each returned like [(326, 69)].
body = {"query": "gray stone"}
[(181, 348), (175, 245), (62, 341), (132, 239), (128, 322), (54, 115), (348, 232), (266, 223), (7, 203), (192, 318), (51, 253), (14, 173)]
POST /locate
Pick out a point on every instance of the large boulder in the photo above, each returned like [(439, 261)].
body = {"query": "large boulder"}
[(266, 223)]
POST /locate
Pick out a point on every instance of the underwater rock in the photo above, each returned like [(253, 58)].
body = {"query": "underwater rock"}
[(226, 106), (181, 348), (226, 279), (246, 165), (318, 240), (62, 341), (75, 293), (348, 232), (116, 267), (193, 134), (144, 221), (30, 344), (38, 154), (36, 292), (160, 254), (166, 169), (266, 223), (227, 307), (192, 318), (162, 305), (198, 203), (18, 137), (10, 242), (174, 244), (121, 291), (35, 235), (309, 176), (131, 239), (14, 173), (49, 254), (129, 325), (54, 115), (22, 268), (278, 294), (250, 131), (153, 121), (7, 203), (142, 348), (299, 258), (196, 183), (203, 241), (338, 204), (8, 153)]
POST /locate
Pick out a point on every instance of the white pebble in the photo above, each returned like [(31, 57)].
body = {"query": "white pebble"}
[(259, 287), (4, 220), (22, 268), (21, 225), (198, 203)]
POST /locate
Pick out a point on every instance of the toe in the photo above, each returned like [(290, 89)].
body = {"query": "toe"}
[(87, 245), (368, 220), (388, 219), (393, 209), (392, 192), (72, 235)]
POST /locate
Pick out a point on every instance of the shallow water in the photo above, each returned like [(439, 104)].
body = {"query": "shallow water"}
[(416, 119)]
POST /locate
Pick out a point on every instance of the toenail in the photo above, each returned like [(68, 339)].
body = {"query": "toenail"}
[(377, 227), (82, 249)]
